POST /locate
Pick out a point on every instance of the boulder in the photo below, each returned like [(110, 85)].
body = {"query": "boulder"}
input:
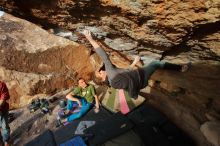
[(32, 61)]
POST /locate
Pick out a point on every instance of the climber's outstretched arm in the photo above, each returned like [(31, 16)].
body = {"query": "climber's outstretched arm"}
[(98, 50)]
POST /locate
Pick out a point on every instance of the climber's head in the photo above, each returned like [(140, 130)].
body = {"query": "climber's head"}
[(101, 75)]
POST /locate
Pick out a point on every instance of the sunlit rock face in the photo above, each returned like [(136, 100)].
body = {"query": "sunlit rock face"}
[(171, 30), (33, 61)]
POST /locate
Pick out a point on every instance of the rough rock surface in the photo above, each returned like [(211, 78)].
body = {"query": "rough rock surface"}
[(33, 61), (171, 30)]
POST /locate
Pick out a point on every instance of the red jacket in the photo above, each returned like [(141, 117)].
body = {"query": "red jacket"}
[(4, 95)]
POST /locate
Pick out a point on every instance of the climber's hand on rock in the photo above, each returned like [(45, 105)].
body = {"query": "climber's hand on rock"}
[(87, 34)]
